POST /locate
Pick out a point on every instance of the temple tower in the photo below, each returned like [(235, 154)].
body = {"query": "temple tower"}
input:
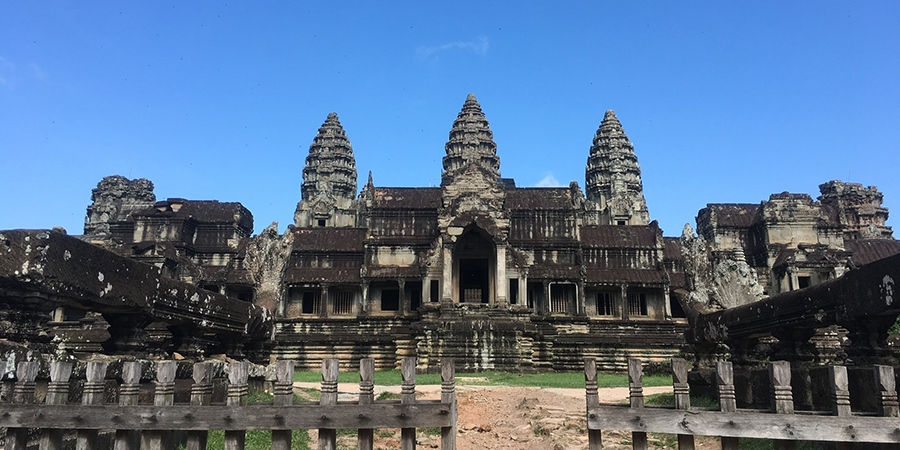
[(328, 190), (471, 142), (613, 177), (473, 223)]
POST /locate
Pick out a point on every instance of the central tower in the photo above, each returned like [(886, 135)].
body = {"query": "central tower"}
[(613, 177)]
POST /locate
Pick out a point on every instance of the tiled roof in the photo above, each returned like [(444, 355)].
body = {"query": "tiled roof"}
[(554, 271), (204, 211), (866, 251), (740, 215), (407, 198), (316, 274), (619, 236), (539, 198), (329, 239), (648, 276)]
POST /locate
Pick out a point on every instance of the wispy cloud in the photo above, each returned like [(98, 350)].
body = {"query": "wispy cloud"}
[(37, 72), (479, 47), (6, 71), (549, 181), (12, 74)]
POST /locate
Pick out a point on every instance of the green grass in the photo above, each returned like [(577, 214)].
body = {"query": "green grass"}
[(555, 379), (668, 399)]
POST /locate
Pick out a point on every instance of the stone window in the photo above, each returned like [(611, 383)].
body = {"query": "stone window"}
[(605, 304), (637, 304), (560, 297), (341, 302), (310, 302), (804, 282), (513, 291), (435, 291), (320, 222), (415, 295), (390, 299)]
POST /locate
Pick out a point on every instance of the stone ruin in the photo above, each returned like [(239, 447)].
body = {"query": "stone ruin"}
[(478, 269)]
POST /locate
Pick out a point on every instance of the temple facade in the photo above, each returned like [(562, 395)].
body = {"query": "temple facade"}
[(494, 275)]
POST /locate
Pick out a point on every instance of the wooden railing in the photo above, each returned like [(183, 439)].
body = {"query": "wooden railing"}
[(782, 424), (151, 426)]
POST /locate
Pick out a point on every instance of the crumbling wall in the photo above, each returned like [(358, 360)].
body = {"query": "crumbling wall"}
[(112, 199), (716, 279), (266, 258)]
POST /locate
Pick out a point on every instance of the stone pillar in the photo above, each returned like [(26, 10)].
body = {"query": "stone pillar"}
[(403, 309), (323, 301), (426, 290), (625, 315), (580, 310), (365, 308), (545, 300), (127, 333), (501, 281), (523, 289), (447, 288), (667, 302)]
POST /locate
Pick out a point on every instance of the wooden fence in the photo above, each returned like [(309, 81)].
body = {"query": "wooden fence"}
[(151, 426), (781, 423)]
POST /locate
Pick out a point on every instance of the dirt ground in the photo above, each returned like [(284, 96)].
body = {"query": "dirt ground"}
[(500, 417)]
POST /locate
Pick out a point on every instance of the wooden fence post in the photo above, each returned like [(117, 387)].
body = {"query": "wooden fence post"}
[(595, 440), (887, 404), (23, 392), (92, 395), (840, 397), (283, 396), (782, 397), (201, 395), (365, 439), (448, 396), (636, 397), (727, 401), (128, 396), (57, 394), (682, 393), (163, 395), (408, 397), (238, 372), (328, 396)]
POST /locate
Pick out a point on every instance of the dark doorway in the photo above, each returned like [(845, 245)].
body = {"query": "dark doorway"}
[(473, 279)]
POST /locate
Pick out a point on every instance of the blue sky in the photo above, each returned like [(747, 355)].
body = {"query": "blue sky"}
[(724, 101)]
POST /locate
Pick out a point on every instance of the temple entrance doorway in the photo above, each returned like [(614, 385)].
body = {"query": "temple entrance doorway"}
[(474, 270), (474, 282)]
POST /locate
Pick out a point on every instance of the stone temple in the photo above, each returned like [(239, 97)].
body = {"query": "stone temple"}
[(478, 269)]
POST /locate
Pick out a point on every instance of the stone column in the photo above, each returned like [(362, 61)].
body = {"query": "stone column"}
[(127, 334), (523, 289), (545, 300), (624, 302), (426, 290), (323, 301), (501, 281), (580, 310), (667, 302), (365, 308), (447, 291), (403, 309)]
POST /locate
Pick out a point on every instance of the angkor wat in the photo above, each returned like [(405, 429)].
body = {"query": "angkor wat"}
[(478, 269)]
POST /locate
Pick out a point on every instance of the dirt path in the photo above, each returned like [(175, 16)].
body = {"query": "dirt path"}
[(504, 417)]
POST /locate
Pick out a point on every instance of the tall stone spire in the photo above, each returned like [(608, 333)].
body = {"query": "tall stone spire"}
[(329, 180), (330, 168), (613, 176), (471, 142)]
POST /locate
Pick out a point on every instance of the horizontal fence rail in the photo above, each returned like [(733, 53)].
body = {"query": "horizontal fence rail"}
[(781, 423), (150, 426)]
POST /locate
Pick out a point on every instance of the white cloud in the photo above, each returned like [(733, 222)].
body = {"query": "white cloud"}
[(37, 72), (549, 181), (479, 47)]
